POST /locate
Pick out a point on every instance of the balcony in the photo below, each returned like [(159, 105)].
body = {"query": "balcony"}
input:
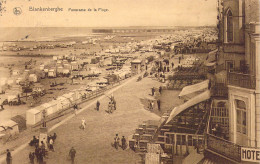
[(216, 141), (233, 48), (241, 80), (223, 147)]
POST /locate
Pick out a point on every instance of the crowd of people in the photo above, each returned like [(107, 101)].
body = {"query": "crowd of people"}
[(41, 148)]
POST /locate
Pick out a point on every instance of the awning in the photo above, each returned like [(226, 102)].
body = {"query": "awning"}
[(195, 100), (210, 64), (211, 57), (213, 52), (194, 88)]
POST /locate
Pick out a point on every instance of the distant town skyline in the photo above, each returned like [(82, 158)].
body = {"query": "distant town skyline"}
[(121, 13)]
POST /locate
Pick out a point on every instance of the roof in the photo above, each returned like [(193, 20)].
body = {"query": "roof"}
[(136, 61), (9, 123), (194, 88), (193, 101), (46, 105), (33, 111)]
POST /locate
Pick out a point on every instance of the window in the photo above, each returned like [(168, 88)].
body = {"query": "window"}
[(229, 26), (229, 65), (241, 116)]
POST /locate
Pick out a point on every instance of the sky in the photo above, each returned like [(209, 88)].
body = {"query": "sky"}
[(120, 13)]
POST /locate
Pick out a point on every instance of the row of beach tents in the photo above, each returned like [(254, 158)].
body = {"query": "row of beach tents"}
[(67, 100)]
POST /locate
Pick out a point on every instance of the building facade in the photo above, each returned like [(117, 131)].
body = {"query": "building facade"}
[(238, 58)]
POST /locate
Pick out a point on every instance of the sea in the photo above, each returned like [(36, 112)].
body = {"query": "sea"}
[(53, 33), (41, 33)]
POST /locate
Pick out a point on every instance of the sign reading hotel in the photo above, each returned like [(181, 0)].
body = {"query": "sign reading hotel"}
[(251, 155)]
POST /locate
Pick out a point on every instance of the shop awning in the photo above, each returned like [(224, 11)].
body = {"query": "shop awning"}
[(194, 88), (195, 100)]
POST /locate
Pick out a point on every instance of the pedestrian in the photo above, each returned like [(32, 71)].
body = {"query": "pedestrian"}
[(116, 143), (152, 91), (150, 106), (37, 154), (110, 106), (72, 154), (123, 141), (172, 65), (51, 144), (42, 149), (159, 104), (98, 104), (8, 157), (179, 59), (160, 90), (75, 107), (54, 137), (31, 157), (152, 103), (83, 124), (41, 154), (48, 139), (114, 102)]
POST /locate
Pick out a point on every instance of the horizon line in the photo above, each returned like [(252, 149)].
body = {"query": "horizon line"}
[(107, 26)]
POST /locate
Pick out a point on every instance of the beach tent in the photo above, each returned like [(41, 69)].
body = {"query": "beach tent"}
[(74, 65), (16, 72), (46, 70), (67, 66), (193, 101), (9, 123), (18, 80), (33, 78), (51, 73), (26, 72), (60, 69), (63, 102), (70, 96), (33, 116), (55, 57), (66, 71), (12, 97), (54, 105), (41, 66), (49, 108)]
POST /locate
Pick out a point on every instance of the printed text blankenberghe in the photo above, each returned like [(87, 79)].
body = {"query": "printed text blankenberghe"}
[(56, 9)]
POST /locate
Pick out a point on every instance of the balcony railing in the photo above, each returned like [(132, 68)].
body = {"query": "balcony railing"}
[(223, 147), (241, 80)]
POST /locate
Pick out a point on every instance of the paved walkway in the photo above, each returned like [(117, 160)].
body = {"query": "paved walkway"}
[(93, 145)]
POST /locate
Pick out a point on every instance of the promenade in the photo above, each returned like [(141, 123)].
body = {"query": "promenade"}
[(93, 145)]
